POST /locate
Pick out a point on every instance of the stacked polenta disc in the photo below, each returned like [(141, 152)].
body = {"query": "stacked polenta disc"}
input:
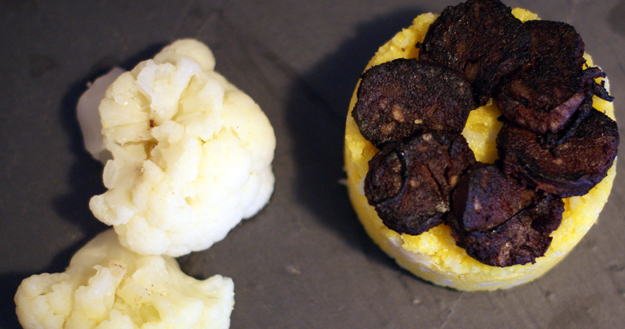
[(434, 254)]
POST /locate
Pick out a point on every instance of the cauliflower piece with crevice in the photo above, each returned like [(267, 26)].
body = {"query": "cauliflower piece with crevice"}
[(191, 154), (108, 286)]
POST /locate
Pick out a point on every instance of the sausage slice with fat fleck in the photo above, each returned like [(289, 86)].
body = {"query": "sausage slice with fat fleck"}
[(409, 182)]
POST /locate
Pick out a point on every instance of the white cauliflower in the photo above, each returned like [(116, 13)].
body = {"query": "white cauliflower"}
[(191, 154), (107, 286)]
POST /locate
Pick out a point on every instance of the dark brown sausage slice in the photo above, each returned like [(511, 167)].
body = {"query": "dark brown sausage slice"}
[(570, 168), (544, 94), (518, 241), (481, 39), (399, 98), (409, 182), (485, 197)]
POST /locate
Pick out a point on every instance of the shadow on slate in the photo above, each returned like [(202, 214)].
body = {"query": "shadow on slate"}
[(85, 181), (615, 19), (317, 110), (86, 173), (10, 282)]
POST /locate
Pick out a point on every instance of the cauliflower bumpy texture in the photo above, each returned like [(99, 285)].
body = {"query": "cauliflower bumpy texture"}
[(107, 286), (191, 154)]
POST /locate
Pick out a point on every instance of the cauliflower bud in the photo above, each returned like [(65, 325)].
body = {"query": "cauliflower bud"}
[(191, 154), (107, 286)]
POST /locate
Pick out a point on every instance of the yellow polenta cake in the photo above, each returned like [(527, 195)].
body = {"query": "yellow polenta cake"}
[(434, 255)]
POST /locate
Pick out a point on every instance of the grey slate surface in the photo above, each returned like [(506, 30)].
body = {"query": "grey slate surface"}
[(304, 261)]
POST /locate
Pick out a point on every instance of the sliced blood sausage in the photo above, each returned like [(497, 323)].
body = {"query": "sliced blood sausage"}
[(570, 168), (485, 197), (409, 182), (399, 98), (544, 94), (480, 38), (518, 241)]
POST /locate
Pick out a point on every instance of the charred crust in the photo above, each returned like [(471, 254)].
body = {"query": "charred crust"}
[(595, 88)]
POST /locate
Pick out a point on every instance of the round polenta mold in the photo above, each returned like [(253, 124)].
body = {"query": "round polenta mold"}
[(434, 255)]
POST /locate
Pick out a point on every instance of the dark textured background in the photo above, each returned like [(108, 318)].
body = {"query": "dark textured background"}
[(304, 261)]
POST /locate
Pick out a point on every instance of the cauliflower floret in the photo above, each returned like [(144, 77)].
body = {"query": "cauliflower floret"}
[(108, 286), (191, 154)]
